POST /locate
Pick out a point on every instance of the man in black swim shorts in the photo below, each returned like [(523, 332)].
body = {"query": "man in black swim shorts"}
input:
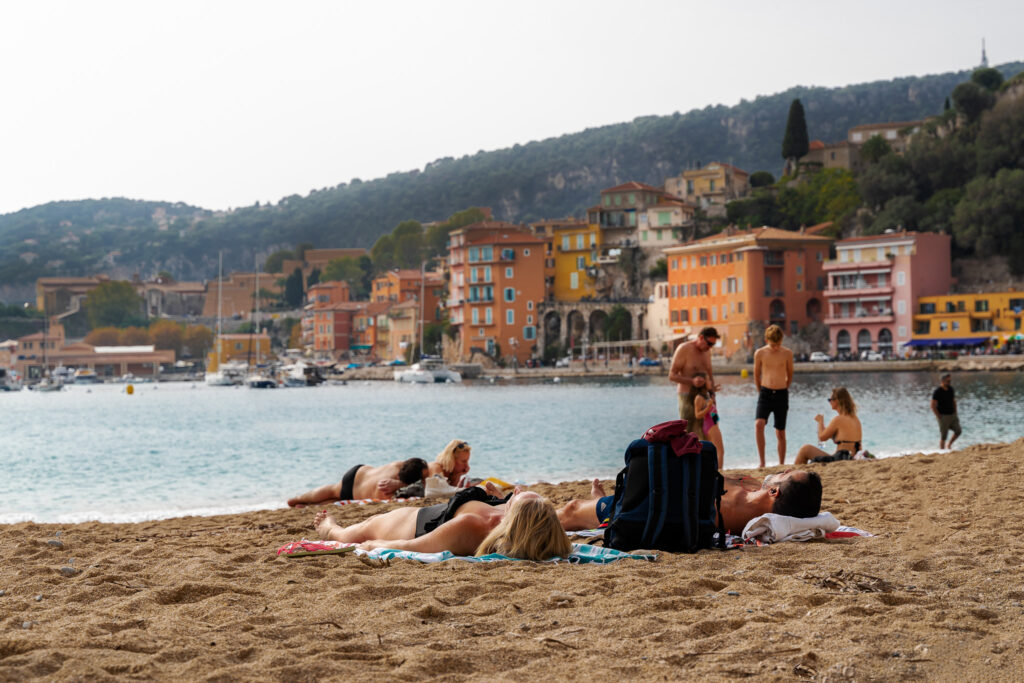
[(773, 373)]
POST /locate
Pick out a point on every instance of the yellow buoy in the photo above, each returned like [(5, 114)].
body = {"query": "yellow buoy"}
[(129, 390), (744, 373)]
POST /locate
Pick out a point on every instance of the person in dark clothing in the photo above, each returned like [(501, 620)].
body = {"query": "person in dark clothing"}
[(944, 407)]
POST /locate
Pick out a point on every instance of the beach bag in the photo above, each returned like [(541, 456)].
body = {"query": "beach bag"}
[(668, 496)]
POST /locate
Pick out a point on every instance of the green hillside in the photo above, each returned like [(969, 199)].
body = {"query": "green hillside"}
[(550, 178)]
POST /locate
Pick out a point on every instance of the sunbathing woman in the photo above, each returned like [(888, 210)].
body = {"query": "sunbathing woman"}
[(524, 526), (844, 429), (365, 481)]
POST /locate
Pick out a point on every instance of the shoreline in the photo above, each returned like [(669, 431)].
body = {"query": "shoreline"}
[(934, 595)]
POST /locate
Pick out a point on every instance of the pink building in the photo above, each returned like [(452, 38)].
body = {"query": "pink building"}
[(873, 285)]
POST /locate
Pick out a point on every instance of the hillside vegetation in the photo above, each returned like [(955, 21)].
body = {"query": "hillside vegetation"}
[(551, 178)]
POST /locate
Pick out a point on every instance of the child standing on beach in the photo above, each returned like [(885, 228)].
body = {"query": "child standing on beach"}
[(706, 416)]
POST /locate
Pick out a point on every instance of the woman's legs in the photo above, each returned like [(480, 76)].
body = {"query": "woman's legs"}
[(715, 437), (397, 524), (806, 452)]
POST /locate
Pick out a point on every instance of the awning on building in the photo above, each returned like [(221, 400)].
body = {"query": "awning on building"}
[(361, 347), (954, 341)]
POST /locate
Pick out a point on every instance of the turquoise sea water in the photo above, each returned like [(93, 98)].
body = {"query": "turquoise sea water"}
[(96, 452)]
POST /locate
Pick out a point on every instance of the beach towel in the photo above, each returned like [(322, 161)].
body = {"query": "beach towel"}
[(368, 501), (773, 528), (581, 554)]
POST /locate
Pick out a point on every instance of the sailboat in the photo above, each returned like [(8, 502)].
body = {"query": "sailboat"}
[(224, 376), (49, 381), (258, 379)]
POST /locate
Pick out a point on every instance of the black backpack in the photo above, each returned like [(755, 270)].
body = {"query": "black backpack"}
[(667, 501)]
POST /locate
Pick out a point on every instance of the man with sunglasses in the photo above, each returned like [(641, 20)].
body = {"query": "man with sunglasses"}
[(689, 359), (794, 493)]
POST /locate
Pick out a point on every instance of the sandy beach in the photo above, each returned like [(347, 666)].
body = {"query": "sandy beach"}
[(937, 594)]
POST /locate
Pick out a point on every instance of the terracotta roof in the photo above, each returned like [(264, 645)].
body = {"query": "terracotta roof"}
[(632, 185), (754, 235), (819, 228), (815, 144)]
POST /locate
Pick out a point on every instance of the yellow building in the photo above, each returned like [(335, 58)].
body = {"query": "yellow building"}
[(576, 249), (957, 320), (243, 348), (711, 186)]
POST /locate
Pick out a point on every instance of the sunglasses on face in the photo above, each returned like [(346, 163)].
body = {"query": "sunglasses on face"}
[(462, 446)]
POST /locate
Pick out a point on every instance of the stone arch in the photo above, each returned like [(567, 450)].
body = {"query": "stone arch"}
[(885, 341), (777, 313), (552, 323), (598, 323), (863, 341), (814, 310), (575, 328), (843, 341)]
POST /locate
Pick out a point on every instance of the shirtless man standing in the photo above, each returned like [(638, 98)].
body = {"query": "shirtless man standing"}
[(690, 358), (773, 373)]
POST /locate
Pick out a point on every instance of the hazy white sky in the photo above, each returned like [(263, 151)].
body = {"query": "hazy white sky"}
[(220, 104)]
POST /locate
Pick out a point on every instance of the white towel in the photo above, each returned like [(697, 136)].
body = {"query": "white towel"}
[(437, 486), (773, 528)]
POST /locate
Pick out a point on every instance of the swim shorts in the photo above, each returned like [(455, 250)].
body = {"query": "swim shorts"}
[(773, 401), (947, 423), (604, 509), (348, 482)]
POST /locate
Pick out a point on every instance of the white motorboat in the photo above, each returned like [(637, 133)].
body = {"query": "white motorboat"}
[(47, 384), (9, 381), (86, 376), (228, 375), (260, 381), (429, 370)]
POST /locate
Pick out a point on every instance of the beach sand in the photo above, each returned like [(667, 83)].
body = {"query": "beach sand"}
[(936, 595)]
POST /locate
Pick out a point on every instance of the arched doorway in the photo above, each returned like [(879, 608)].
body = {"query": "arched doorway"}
[(777, 313), (863, 341), (598, 326), (814, 310), (885, 341), (575, 326), (552, 328), (843, 342)]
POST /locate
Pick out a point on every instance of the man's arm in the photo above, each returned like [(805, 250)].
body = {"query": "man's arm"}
[(789, 368), (758, 362), (935, 408)]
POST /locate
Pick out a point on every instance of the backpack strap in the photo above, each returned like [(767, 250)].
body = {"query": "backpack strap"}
[(719, 490), (657, 501)]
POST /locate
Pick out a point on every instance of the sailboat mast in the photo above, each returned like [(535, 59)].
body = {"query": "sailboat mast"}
[(220, 299), (423, 287)]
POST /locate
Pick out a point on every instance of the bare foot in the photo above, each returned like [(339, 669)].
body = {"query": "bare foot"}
[(596, 490), (324, 524)]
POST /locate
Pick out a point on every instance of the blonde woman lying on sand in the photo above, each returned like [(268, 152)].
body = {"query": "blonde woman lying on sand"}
[(366, 481), (472, 523)]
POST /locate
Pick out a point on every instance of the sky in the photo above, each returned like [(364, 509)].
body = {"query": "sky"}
[(223, 104)]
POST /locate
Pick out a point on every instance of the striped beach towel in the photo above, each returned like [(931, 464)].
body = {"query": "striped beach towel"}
[(368, 501), (582, 553)]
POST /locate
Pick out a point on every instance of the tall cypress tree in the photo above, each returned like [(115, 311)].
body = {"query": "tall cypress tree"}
[(794, 144)]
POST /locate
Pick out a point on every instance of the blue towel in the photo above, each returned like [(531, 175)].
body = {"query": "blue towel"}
[(581, 554)]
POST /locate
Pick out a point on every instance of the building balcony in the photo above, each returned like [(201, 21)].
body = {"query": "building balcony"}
[(859, 291), (488, 300), (867, 318), (834, 264)]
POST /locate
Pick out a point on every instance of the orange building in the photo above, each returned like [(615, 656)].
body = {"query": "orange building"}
[(730, 279), (370, 329), (497, 281), (400, 285)]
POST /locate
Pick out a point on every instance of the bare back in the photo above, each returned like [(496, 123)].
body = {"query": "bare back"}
[(686, 362), (844, 430), (773, 367), (365, 484)]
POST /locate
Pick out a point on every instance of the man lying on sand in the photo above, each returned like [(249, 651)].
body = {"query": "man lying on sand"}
[(794, 493), (472, 522), (461, 524), (365, 481)]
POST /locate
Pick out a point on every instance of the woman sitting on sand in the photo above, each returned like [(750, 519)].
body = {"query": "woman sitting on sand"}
[(366, 481), (524, 526), (844, 429)]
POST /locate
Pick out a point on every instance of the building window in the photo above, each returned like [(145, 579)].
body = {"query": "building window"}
[(526, 252), (581, 262), (510, 294), (675, 264), (529, 320), (942, 326), (674, 316), (714, 288), (529, 305), (799, 285), (529, 332), (901, 306), (956, 326), (488, 315), (473, 277), (474, 254), (510, 317), (739, 307), (799, 270), (703, 314), (574, 280), (508, 273), (703, 260), (981, 306), (927, 308), (703, 289), (565, 243), (476, 316)]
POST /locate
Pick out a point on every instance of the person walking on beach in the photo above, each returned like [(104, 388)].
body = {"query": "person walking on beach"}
[(944, 407), (689, 359), (773, 373)]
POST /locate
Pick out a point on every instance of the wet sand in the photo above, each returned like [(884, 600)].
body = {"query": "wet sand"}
[(936, 595)]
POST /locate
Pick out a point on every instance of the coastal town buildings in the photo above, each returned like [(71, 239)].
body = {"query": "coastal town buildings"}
[(497, 281), (618, 215), (238, 294), (399, 285), (966, 320), (663, 224), (370, 329), (317, 259), (37, 354), (710, 187), (763, 275), (403, 330), (247, 349), (546, 229), (873, 283), (576, 248), (845, 154)]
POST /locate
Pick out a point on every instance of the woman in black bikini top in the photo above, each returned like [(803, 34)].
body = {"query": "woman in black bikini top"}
[(844, 429)]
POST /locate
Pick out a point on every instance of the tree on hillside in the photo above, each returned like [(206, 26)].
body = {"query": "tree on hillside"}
[(794, 142), (761, 179), (617, 325), (275, 261), (383, 253), (113, 304), (167, 334), (301, 248), (293, 289), (436, 237), (971, 100), (347, 269), (988, 78), (874, 149), (314, 278), (1000, 142), (103, 336), (990, 217), (407, 239)]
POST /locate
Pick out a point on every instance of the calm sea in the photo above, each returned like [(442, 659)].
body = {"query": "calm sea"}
[(168, 450)]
